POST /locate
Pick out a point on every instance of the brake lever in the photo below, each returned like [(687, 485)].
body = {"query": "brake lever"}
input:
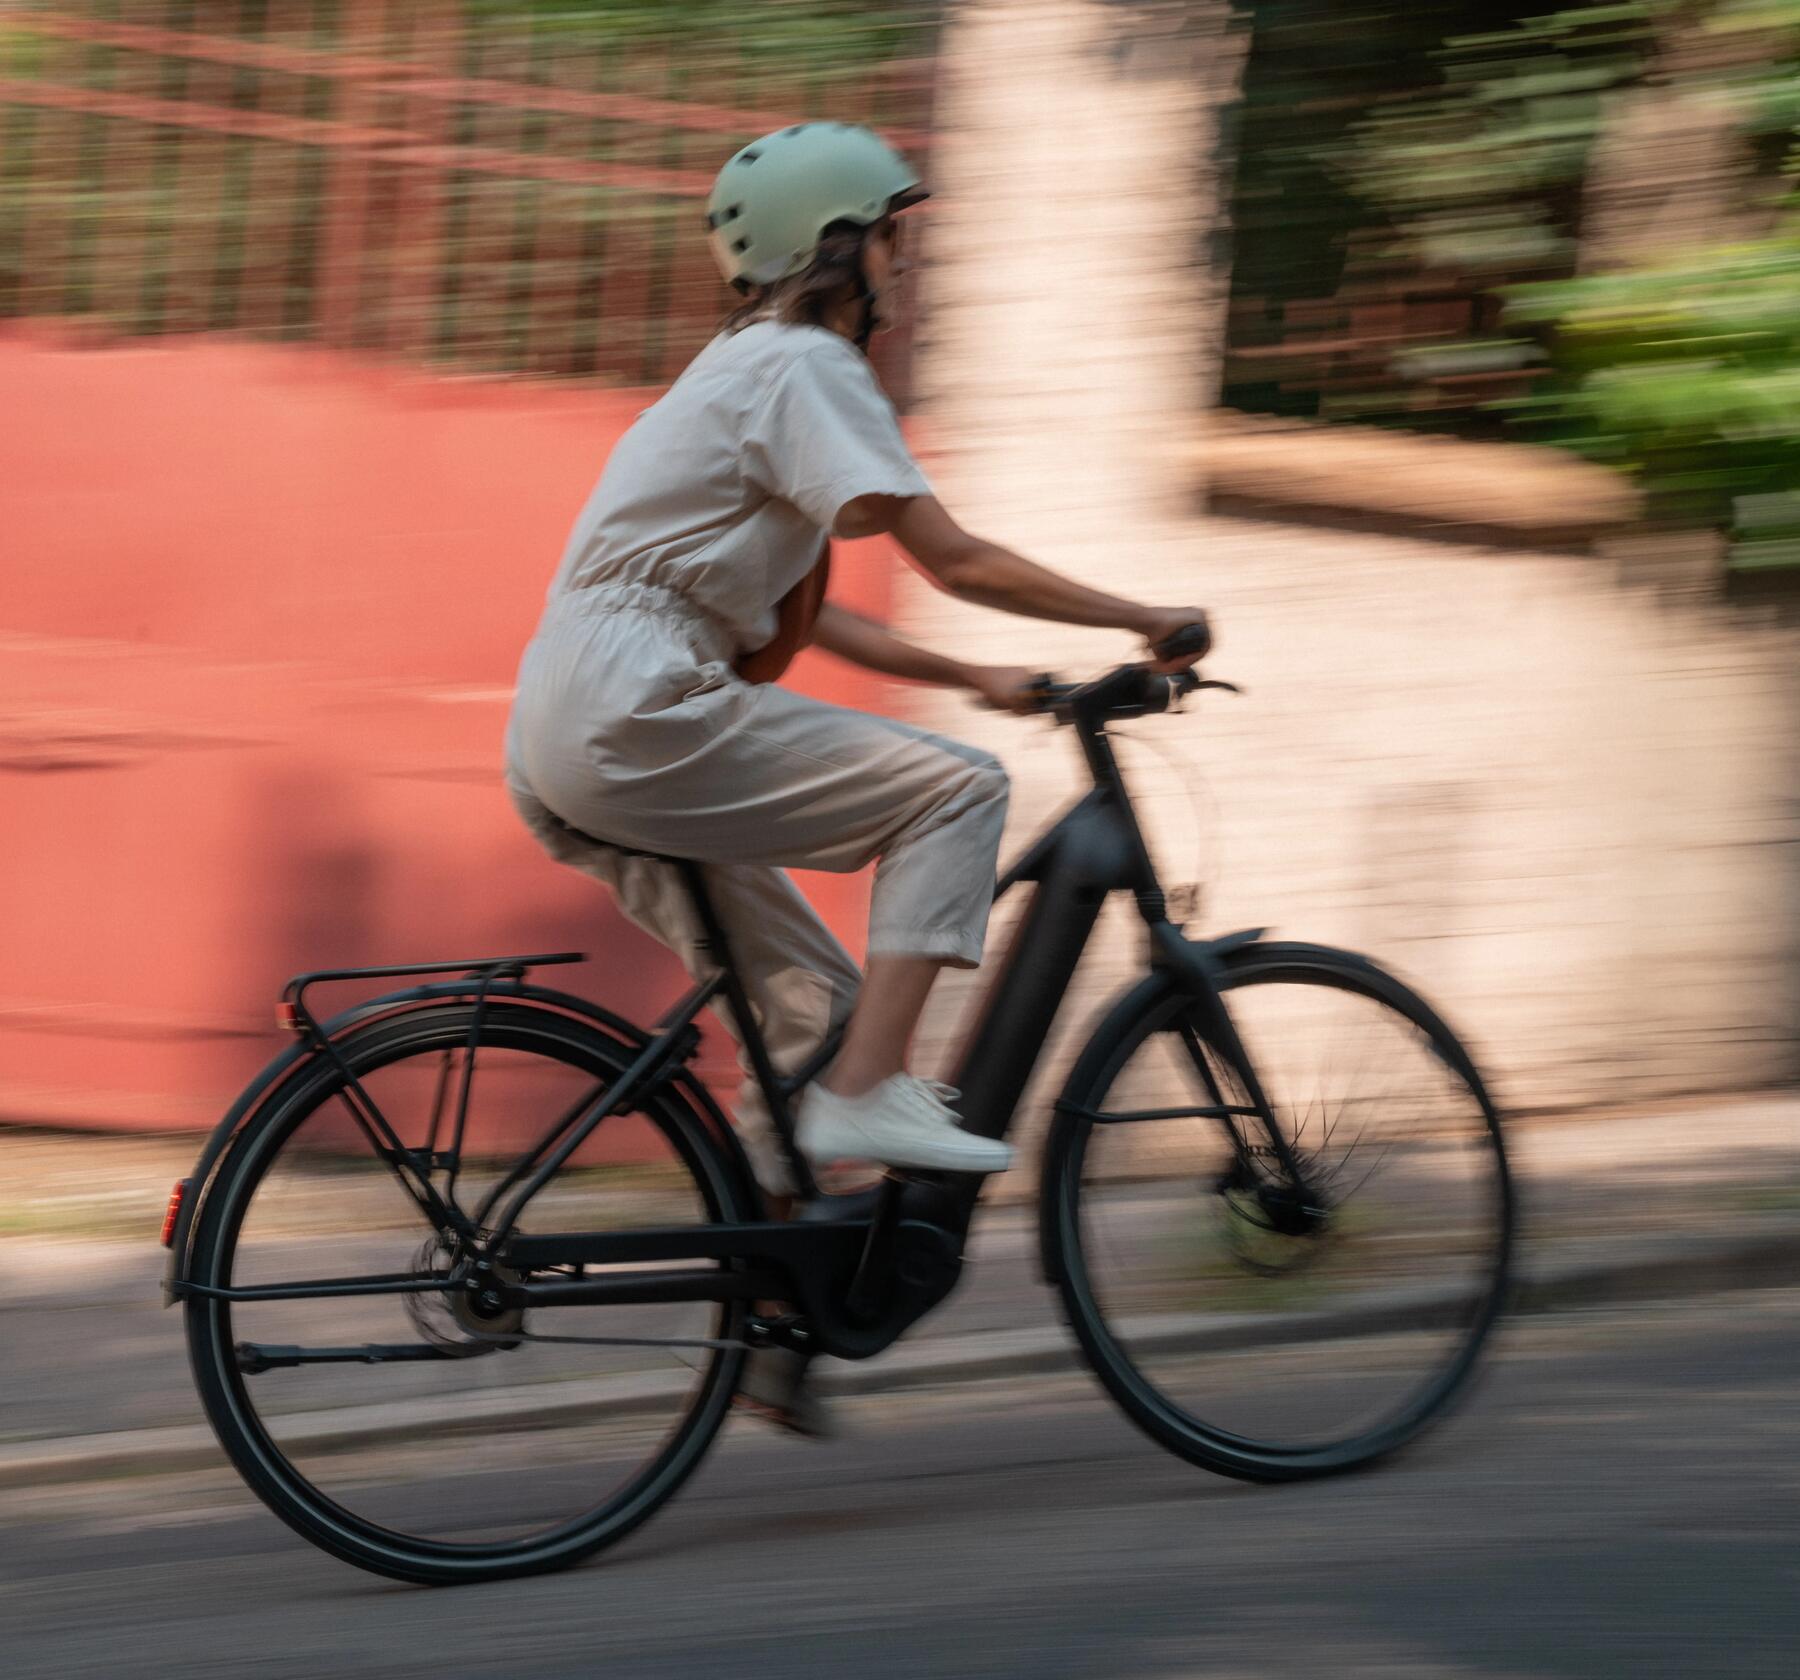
[(1183, 683)]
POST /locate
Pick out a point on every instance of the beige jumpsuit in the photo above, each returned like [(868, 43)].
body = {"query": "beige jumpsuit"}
[(630, 726)]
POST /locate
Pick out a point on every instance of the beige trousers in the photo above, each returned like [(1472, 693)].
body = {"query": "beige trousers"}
[(630, 727)]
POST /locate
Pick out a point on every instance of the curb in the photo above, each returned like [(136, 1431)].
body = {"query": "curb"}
[(1765, 1257)]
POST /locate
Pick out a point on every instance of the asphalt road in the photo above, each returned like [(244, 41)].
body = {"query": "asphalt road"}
[(1619, 1498)]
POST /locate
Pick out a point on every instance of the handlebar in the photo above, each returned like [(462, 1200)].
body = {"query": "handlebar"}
[(1129, 691), (1125, 692)]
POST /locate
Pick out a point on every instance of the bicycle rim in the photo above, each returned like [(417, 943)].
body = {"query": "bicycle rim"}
[(1258, 1350), (520, 1452)]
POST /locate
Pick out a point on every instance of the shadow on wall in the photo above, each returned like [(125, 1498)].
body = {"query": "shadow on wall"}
[(309, 893), (338, 873), (253, 686)]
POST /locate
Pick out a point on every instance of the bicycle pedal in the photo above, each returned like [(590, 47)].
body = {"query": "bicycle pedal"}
[(786, 1330)]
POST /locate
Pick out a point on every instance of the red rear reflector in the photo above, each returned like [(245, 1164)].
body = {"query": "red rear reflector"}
[(176, 1197), (287, 1017)]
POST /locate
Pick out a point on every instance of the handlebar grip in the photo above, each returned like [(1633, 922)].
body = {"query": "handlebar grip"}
[(1191, 641)]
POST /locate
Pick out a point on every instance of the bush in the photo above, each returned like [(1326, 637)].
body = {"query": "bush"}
[(1687, 376)]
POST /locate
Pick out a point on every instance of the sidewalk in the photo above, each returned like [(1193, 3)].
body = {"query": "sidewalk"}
[(1679, 1199)]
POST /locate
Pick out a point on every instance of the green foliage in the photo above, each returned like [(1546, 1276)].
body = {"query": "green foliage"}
[(21, 51), (1401, 167), (1501, 146), (1301, 240), (1483, 173), (1687, 376)]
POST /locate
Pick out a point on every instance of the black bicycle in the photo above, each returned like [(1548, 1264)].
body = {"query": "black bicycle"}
[(454, 1328)]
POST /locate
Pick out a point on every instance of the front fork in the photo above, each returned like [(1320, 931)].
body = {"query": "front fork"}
[(1196, 966)]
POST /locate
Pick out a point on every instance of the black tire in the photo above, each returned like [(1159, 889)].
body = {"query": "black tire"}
[(719, 1186), (1274, 1360)]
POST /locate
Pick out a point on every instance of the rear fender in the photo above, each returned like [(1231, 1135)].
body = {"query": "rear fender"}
[(359, 1018)]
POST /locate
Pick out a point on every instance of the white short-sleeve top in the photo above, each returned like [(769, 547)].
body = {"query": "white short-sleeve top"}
[(724, 488)]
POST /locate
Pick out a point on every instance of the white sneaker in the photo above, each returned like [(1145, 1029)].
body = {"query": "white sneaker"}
[(902, 1122)]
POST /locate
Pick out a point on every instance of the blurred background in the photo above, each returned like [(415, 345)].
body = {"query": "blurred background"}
[(1448, 352), (319, 319)]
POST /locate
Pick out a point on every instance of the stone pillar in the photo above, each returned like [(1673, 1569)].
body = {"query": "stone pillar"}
[(1069, 339)]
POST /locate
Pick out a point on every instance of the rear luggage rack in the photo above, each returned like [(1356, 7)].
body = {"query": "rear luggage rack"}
[(292, 1014)]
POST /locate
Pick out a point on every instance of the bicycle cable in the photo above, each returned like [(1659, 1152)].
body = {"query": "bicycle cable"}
[(1197, 791)]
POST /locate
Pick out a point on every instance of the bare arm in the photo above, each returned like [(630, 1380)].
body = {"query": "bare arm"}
[(864, 642), (991, 576)]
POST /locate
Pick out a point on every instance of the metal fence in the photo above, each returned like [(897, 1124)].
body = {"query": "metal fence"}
[(391, 175)]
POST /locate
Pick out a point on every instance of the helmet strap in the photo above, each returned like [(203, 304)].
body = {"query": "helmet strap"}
[(867, 320)]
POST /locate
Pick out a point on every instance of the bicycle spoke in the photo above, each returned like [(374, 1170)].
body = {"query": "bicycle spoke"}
[(597, 1397), (1364, 1269), (1374, 1168)]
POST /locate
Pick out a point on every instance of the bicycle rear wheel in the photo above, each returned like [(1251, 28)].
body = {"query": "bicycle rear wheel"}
[(457, 1449), (1250, 1335)]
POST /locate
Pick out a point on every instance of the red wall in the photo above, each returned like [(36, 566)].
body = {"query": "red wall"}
[(259, 615)]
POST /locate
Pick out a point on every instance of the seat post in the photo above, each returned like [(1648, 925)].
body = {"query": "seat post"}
[(714, 944)]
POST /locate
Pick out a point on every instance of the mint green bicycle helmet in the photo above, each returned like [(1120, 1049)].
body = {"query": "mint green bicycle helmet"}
[(773, 200)]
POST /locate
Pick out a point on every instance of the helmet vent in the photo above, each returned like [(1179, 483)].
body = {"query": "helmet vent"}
[(740, 246), (748, 157)]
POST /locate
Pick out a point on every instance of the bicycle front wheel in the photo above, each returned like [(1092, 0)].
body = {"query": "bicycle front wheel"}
[(401, 1431), (1258, 1334)]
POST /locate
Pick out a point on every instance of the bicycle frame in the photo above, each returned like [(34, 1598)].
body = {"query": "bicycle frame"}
[(858, 1269)]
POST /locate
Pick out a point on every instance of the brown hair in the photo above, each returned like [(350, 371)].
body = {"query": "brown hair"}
[(803, 298)]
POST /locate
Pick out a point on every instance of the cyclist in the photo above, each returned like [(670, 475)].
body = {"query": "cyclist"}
[(647, 712)]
